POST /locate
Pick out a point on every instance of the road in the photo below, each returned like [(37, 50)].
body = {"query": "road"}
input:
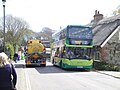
[(54, 78)]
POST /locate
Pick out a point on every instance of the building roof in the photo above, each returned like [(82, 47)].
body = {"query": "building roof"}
[(104, 29)]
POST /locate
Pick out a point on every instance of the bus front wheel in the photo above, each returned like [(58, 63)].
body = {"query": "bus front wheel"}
[(43, 65), (53, 61), (61, 64)]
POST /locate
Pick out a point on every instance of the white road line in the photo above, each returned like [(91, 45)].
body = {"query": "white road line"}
[(27, 80)]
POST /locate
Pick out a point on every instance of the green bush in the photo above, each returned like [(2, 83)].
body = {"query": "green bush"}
[(11, 50), (99, 65), (105, 66)]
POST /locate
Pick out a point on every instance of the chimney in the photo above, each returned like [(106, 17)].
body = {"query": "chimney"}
[(97, 16)]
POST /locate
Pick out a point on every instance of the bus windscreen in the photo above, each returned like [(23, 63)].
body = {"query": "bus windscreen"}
[(80, 35)]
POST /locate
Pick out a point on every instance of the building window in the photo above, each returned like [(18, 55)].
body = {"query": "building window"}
[(97, 56)]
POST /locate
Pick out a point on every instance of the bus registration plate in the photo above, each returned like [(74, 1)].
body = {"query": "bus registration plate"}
[(79, 66)]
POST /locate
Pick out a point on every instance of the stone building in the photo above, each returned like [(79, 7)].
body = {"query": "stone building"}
[(106, 38)]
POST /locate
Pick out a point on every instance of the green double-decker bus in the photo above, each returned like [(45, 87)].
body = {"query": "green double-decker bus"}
[(72, 47)]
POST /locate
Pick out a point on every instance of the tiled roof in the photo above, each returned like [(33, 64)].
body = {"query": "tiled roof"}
[(104, 29), (110, 19)]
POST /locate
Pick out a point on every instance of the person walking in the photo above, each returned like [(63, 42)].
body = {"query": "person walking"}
[(7, 74), (16, 57)]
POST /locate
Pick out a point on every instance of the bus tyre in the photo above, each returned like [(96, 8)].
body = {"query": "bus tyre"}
[(53, 61), (61, 64), (88, 69), (43, 65), (26, 65)]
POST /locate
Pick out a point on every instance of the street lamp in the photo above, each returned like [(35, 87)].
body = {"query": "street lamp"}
[(4, 22)]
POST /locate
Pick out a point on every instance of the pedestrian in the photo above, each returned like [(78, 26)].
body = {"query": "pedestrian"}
[(19, 55), (8, 75), (16, 57)]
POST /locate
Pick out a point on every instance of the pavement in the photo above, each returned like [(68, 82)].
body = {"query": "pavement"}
[(19, 62), (115, 74)]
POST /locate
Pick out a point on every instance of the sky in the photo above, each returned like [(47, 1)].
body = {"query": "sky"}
[(57, 13)]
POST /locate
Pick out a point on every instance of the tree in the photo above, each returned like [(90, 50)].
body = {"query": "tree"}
[(16, 28), (1, 34), (27, 36), (117, 11), (46, 34)]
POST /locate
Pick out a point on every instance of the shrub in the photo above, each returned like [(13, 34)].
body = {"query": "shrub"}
[(11, 50), (105, 66)]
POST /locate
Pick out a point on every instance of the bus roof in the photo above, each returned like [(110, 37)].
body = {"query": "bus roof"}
[(84, 26), (70, 26)]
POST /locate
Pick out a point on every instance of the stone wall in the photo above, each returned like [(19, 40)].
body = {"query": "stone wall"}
[(113, 50)]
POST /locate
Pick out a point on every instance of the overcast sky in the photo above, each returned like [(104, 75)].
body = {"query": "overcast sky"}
[(56, 13)]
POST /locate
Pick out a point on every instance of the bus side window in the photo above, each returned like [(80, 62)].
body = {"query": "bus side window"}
[(62, 55), (56, 54)]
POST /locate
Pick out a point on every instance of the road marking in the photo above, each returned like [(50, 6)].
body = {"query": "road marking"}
[(27, 80)]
